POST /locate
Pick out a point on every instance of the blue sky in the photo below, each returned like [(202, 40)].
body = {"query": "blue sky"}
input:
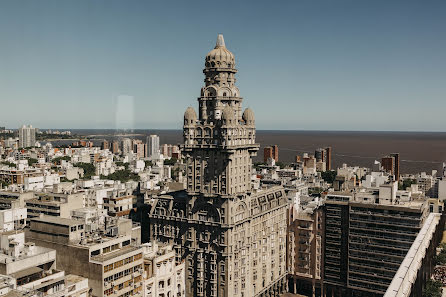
[(304, 65)]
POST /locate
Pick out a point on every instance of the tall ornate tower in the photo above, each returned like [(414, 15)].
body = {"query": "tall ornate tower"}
[(219, 144), (231, 237)]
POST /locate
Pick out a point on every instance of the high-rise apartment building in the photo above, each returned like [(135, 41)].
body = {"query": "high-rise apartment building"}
[(391, 164), (115, 147), (396, 165), (366, 240), (27, 136), (305, 251), (153, 145), (328, 158), (127, 146), (105, 145), (319, 154), (267, 154), (139, 148), (271, 152), (231, 237)]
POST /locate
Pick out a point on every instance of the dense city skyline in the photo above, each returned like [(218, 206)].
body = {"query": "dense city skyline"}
[(219, 209), (335, 65)]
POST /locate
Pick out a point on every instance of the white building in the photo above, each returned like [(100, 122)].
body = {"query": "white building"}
[(13, 218), (153, 144), (27, 136)]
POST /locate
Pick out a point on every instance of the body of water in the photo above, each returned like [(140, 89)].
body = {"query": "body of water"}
[(419, 151)]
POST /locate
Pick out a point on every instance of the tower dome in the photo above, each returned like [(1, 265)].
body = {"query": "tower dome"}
[(248, 116), (190, 116), (220, 56)]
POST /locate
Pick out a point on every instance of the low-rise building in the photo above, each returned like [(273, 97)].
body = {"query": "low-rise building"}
[(54, 204), (110, 259)]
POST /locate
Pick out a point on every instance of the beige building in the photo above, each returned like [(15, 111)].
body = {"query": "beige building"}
[(119, 203), (54, 204), (162, 275), (10, 199), (112, 262), (232, 238), (305, 251), (32, 270)]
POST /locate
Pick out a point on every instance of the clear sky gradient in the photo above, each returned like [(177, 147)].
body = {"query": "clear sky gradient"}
[(303, 65)]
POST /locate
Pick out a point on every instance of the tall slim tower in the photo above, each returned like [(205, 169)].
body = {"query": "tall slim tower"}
[(153, 145), (231, 237), (27, 136)]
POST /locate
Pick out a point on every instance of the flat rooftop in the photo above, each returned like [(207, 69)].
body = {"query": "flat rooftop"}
[(120, 252), (37, 250), (73, 279), (57, 221)]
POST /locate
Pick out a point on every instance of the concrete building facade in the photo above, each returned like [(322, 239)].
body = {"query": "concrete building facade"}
[(110, 260)]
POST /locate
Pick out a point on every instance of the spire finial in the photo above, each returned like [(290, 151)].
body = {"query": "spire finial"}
[(220, 41)]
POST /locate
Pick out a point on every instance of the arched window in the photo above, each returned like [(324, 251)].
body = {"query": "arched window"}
[(224, 94)]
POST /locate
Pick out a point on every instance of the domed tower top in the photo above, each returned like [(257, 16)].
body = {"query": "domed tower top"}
[(220, 56), (248, 116), (190, 116)]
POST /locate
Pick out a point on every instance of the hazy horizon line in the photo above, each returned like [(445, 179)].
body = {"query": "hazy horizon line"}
[(267, 130)]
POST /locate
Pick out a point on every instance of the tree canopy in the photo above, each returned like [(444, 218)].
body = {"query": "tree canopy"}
[(89, 169), (122, 175), (170, 161), (329, 176)]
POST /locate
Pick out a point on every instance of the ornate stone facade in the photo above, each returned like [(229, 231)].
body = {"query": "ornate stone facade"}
[(232, 238)]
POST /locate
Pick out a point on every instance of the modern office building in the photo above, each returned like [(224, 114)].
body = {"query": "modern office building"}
[(231, 237), (27, 136), (366, 240)]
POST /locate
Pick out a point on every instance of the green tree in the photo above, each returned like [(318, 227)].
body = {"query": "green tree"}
[(58, 160), (148, 163), (122, 175), (406, 184), (170, 161), (119, 163), (89, 169), (329, 176), (32, 161), (441, 257), (433, 289), (257, 165), (4, 184), (10, 164), (281, 164)]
